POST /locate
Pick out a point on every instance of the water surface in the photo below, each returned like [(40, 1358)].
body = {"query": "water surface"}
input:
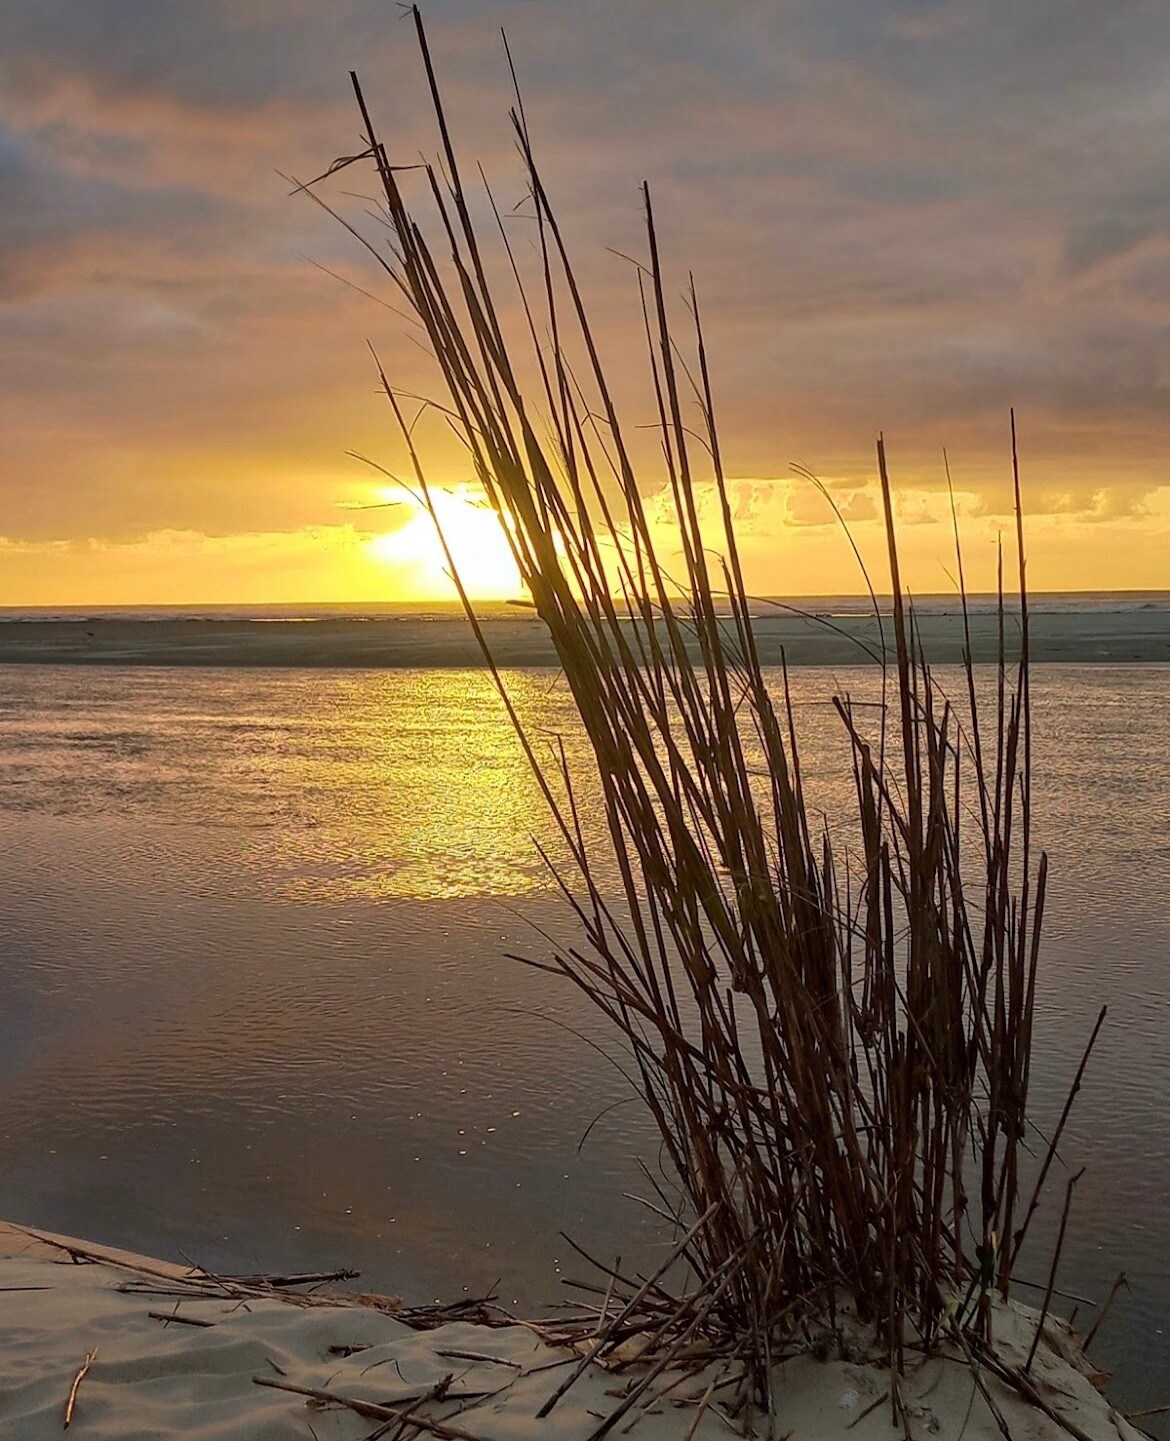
[(255, 1005)]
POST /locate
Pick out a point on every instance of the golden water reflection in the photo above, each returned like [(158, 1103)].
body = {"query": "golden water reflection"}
[(197, 1001), (420, 791), (358, 785), (336, 785), (415, 786)]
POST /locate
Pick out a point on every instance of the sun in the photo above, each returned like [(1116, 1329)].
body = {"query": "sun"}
[(479, 547)]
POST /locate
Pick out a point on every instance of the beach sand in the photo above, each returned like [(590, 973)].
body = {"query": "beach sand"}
[(151, 1378), (1084, 636)]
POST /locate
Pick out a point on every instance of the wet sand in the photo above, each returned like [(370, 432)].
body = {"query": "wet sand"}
[(1083, 637)]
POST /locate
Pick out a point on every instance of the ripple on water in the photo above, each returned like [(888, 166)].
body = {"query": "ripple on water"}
[(254, 927)]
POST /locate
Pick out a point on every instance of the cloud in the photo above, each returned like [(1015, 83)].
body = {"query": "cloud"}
[(788, 546), (902, 216), (318, 563), (923, 23), (806, 505)]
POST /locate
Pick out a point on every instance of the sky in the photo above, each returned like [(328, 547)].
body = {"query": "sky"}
[(902, 217)]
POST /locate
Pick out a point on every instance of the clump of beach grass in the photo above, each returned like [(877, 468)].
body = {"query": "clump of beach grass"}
[(832, 1031)]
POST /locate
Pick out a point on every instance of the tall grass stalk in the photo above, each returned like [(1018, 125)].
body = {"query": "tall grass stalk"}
[(833, 1038)]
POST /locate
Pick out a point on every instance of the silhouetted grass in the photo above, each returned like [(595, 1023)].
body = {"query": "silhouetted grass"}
[(833, 1036)]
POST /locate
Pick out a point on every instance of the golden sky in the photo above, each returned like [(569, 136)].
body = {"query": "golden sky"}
[(901, 216)]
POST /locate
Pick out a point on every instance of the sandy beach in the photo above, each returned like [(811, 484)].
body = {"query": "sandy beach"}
[(251, 1364), (1085, 636)]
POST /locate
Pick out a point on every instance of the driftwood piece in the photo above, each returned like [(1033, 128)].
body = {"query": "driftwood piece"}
[(166, 1317), (82, 1372), (445, 1430)]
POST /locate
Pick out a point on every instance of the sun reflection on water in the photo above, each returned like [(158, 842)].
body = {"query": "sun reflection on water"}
[(421, 793), (255, 929)]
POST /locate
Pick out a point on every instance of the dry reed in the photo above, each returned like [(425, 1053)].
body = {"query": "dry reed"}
[(834, 1038)]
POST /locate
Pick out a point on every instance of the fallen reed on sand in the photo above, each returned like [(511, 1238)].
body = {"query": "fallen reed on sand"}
[(832, 1033)]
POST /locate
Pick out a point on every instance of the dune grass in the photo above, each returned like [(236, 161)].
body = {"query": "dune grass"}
[(832, 1031)]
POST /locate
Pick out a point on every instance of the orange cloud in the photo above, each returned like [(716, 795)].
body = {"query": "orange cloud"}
[(897, 221)]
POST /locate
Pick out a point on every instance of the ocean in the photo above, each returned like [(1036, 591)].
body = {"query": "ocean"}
[(256, 1005)]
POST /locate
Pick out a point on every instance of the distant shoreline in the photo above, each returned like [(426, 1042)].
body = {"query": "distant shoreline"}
[(827, 605), (1084, 636)]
